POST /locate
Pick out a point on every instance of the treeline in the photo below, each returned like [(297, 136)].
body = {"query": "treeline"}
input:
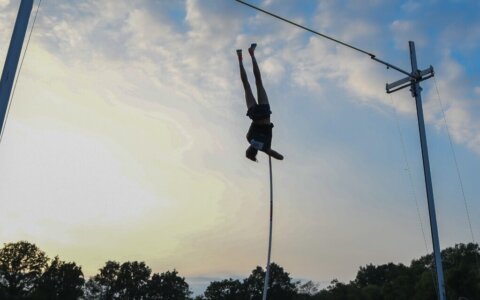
[(27, 273)]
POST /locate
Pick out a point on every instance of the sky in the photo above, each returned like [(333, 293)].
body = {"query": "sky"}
[(126, 135)]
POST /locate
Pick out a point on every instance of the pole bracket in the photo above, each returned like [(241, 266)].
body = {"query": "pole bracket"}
[(416, 77)]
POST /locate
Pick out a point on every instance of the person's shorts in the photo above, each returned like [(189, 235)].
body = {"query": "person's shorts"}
[(259, 112), (260, 136)]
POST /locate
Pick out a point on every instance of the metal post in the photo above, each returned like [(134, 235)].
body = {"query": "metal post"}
[(416, 92), (13, 56)]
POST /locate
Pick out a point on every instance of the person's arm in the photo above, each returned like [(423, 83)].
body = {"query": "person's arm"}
[(274, 154)]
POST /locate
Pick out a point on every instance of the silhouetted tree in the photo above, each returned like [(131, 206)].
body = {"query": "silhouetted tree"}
[(168, 286), (26, 274), (379, 275), (61, 280), (104, 284), (132, 280), (306, 290), (462, 274), (425, 287), (93, 290), (418, 281), (338, 290), (254, 283), (115, 281), (21, 265), (372, 292), (280, 285), (396, 280), (227, 289)]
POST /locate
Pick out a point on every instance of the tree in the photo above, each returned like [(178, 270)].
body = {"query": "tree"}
[(61, 281), (21, 265), (425, 288), (93, 290), (132, 280), (280, 285), (418, 281), (306, 290), (254, 283), (372, 292), (168, 286), (227, 289), (379, 275), (104, 284), (115, 281), (462, 276), (339, 290)]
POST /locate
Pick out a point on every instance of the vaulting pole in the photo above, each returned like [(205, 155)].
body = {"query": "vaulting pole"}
[(267, 273), (13, 56)]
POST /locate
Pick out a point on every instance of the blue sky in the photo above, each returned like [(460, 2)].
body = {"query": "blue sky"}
[(125, 139)]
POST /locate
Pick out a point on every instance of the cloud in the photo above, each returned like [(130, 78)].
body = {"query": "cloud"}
[(458, 101), (4, 3), (404, 31)]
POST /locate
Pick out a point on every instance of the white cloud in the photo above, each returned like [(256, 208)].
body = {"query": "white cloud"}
[(406, 30), (459, 107), (4, 3)]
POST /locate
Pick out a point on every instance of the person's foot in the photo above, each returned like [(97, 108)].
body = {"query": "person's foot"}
[(274, 154), (239, 54), (251, 50), (251, 153)]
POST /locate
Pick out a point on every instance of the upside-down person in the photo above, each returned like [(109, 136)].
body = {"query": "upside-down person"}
[(260, 132)]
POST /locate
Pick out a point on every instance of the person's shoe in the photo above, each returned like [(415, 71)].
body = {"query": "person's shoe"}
[(239, 54), (251, 153), (252, 48), (275, 154)]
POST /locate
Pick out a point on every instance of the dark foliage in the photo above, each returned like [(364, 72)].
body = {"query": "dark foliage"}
[(168, 286), (21, 265), (61, 280), (26, 274), (227, 289)]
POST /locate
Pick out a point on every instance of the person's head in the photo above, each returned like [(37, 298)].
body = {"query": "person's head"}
[(251, 153)]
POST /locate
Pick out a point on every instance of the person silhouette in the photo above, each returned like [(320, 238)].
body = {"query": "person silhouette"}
[(260, 132)]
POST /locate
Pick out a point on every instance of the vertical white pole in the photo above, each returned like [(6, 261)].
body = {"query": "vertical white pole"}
[(267, 275), (13, 56), (416, 92)]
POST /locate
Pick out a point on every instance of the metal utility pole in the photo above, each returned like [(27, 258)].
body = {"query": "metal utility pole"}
[(413, 81), (13, 56)]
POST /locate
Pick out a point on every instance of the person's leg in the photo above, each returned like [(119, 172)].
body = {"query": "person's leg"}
[(246, 86), (261, 93)]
